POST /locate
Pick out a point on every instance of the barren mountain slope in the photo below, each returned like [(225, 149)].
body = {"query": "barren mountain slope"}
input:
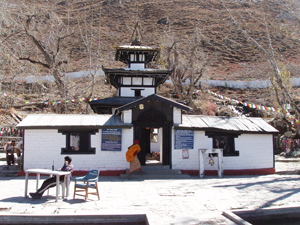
[(231, 55)]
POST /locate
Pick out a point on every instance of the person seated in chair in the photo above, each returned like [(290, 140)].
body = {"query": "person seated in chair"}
[(51, 182)]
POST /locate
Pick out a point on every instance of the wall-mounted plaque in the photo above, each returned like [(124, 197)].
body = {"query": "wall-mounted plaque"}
[(111, 139), (184, 139)]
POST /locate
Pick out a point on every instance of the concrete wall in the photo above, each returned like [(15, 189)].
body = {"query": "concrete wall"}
[(41, 147), (256, 152), (177, 115), (126, 116), (137, 66), (192, 163), (245, 84)]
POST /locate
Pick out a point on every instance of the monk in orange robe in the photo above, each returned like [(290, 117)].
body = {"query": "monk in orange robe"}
[(131, 156)]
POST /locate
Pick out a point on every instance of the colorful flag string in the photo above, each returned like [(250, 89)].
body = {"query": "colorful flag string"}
[(49, 102), (284, 108)]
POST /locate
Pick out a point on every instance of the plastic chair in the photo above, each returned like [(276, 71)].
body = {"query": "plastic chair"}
[(89, 182), (63, 185)]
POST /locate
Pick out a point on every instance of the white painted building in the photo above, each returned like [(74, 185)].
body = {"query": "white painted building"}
[(160, 124), (47, 139)]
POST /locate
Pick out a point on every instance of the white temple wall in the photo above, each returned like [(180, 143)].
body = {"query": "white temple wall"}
[(41, 147), (192, 163), (255, 152), (148, 91), (177, 118), (137, 66), (129, 92)]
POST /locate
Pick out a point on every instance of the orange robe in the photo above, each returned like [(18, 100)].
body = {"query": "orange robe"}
[(130, 153), (132, 158)]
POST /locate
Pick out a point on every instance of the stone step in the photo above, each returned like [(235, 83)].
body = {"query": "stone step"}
[(155, 166), (156, 172), (154, 177), (11, 174), (8, 171)]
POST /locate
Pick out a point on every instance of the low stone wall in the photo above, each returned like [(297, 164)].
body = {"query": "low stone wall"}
[(244, 84)]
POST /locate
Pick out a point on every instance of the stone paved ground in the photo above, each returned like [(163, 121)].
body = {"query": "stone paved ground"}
[(187, 201)]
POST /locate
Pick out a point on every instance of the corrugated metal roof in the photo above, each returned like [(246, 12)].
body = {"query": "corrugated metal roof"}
[(194, 122), (70, 120), (230, 124)]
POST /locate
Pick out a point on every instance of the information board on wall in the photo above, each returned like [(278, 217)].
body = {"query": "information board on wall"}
[(184, 139), (111, 139)]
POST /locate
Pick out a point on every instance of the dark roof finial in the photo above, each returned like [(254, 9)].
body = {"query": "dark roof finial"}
[(136, 37)]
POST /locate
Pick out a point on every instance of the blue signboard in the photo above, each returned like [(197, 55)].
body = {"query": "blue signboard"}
[(184, 139), (111, 139)]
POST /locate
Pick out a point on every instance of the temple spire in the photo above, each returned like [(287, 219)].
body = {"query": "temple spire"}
[(136, 37)]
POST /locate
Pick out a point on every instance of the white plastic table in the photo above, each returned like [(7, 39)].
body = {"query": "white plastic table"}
[(50, 172)]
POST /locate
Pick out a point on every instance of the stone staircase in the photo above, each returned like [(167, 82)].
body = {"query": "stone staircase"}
[(5, 170), (156, 172), (8, 171)]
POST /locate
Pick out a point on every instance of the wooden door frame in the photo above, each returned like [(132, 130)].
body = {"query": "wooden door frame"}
[(166, 139)]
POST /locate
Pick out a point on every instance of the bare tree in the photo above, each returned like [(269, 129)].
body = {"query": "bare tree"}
[(282, 91), (90, 33), (186, 59), (36, 36)]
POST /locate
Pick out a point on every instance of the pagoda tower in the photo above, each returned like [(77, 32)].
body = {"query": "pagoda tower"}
[(137, 80)]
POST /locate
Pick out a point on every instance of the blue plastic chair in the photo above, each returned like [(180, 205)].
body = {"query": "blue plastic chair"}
[(89, 181)]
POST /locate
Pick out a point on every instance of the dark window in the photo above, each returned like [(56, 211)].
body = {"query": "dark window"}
[(224, 141), (137, 92), (78, 142)]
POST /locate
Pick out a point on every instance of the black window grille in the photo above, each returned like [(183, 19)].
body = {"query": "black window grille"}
[(224, 141), (78, 142)]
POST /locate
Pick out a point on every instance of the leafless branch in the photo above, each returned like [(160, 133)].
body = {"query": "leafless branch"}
[(270, 56), (35, 62)]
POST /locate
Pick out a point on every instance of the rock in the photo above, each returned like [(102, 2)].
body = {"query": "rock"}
[(163, 21)]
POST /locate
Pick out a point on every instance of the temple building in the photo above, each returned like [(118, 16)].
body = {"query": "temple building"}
[(167, 134), (135, 81)]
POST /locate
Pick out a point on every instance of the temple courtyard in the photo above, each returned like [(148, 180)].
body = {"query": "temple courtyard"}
[(163, 201)]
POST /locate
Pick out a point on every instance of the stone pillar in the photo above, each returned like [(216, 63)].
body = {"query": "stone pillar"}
[(201, 160), (220, 157), (201, 166)]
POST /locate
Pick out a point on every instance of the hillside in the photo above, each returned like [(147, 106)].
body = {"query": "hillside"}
[(229, 54)]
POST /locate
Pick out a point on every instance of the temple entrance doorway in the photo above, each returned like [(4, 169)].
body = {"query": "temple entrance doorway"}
[(154, 133), (154, 155), (151, 145)]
